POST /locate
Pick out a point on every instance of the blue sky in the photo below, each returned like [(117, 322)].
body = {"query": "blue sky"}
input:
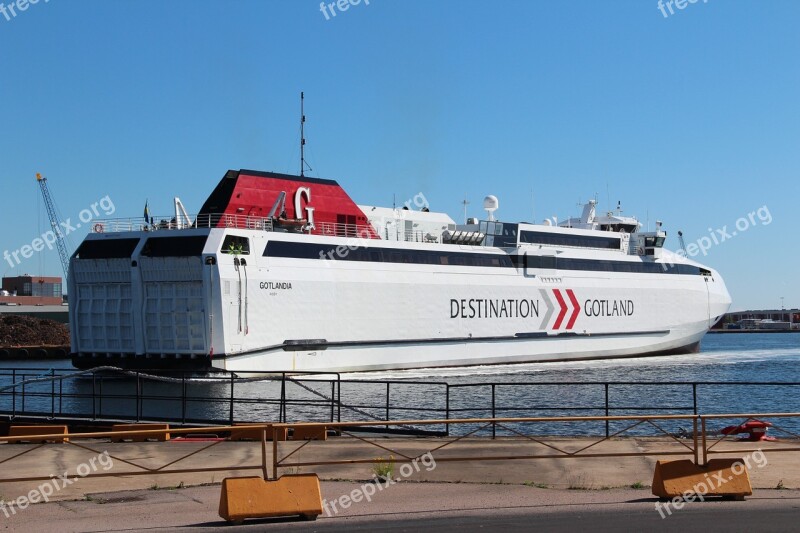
[(692, 118)]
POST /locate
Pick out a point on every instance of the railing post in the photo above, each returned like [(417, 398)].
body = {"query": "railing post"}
[(608, 429), (333, 398), (339, 398), (230, 409), (52, 394), (705, 450), (60, 396), (494, 424), (138, 397), (447, 408), (694, 397), (14, 393), (388, 383), (282, 408), (183, 398), (264, 453), (94, 395), (694, 437), (274, 453)]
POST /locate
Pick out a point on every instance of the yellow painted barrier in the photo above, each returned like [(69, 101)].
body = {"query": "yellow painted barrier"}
[(720, 477), (253, 497), (25, 433), (141, 427), (310, 433)]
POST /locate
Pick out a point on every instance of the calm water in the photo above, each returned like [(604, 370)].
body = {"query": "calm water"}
[(723, 357)]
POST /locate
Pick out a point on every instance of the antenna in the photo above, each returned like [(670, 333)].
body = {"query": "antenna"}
[(465, 203), (303, 163), (683, 244)]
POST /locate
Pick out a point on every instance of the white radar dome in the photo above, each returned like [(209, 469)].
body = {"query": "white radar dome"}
[(491, 203)]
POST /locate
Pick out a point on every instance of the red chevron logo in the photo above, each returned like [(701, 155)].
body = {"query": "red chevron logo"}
[(576, 309), (563, 312)]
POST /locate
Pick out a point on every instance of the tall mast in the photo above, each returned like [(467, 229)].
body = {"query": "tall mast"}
[(302, 137)]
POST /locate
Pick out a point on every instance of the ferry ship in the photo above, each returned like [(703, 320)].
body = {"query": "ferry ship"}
[(286, 273)]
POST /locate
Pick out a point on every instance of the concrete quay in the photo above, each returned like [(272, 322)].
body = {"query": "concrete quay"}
[(499, 492)]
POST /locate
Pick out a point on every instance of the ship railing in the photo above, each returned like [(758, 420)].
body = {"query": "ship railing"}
[(335, 229), (164, 223)]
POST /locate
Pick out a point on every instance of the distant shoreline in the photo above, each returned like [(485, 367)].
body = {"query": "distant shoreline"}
[(34, 353), (754, 331)]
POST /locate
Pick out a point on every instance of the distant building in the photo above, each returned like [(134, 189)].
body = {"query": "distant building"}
[(31, 290), (761, 319)]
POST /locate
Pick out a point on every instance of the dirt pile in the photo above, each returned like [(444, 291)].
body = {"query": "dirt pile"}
[(19, 330)]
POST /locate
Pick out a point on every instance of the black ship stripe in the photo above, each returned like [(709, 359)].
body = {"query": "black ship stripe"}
[(331, 252)]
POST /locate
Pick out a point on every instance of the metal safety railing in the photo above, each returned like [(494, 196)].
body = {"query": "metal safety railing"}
[(179, 397), (699, 444), (695, 444)]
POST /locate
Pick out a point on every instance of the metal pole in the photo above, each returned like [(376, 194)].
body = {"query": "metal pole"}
[(339, 398), (94, 396), (183, 398), (52, 394), (694, 397), (60, 396), (705, 450), (494, 424), (264, 453), (608, 429), (14, 393), (694, 437), (282, 412), (447, 408), (138, 397), (333, 398), (274, 453), (230, 413), (387, 403)]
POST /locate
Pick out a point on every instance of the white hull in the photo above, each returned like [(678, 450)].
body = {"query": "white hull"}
[(243, 295)]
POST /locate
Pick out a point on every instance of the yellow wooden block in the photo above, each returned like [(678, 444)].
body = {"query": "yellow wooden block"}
[(253, 497), (721, 477), (29, 433)]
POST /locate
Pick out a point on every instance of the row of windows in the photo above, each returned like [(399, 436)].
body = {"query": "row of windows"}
[(384, 255), (560, 239), (154, 247), (594, 265), (106, 248), (435, 257), (51, 290), (193, 246)]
